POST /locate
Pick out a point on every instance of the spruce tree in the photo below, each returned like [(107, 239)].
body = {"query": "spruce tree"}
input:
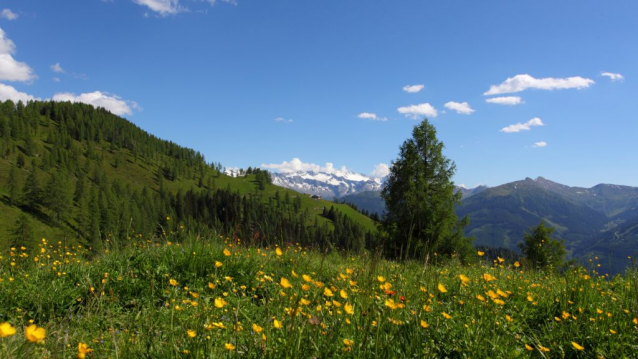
[(22, 233), (32, 194), (420, 199)]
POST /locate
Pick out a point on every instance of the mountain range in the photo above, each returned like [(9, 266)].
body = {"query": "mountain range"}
[(327, 184), (601, 221)]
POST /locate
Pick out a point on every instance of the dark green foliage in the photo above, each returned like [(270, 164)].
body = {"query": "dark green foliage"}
[(12, 184), (420, 199), (22, 234), (104, 180), (541, 250)]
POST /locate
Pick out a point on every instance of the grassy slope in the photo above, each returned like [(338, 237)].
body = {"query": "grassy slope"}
[(138, 173), (123, 304)]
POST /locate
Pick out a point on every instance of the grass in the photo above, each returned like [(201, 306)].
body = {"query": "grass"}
[(209, 298)]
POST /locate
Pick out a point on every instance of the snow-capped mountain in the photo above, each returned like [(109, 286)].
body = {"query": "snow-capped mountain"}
[(327, 185)]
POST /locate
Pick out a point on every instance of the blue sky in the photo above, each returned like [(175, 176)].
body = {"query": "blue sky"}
[(263, 82)]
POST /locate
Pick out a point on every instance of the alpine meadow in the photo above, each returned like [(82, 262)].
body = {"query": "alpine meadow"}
[(253, 179)]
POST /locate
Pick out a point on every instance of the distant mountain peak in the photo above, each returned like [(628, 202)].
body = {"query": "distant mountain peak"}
[(336, 183)]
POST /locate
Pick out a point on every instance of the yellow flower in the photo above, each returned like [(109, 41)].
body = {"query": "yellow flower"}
[(34, 333), (348, 342), (578, 346), (529, 298), (327, 292), (612, 331), (227, 254), (305, 287), (6, 330), (220, 302), (229, 346), (465, 279), (348, 308), (191, 333), (442, 288), (543, 349), (381, 279), (446, 316), (304, 301), (566, 315), (343, 294), (424, 324), (211, 285), (500, 260), (257, 328), (172, 282), (278, 252), (516, 264), (636, 321), (285, 283), (83, 350), (528, 347), (306, 278), (218, 264), (488, 277), (481, 254), (277, 324), (480, 297), (498, 302)]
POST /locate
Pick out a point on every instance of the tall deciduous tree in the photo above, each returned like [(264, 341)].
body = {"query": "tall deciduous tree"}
[(420, 199)]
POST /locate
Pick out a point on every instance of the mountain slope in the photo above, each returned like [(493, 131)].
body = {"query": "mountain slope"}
[(116, 182), (499, 216)]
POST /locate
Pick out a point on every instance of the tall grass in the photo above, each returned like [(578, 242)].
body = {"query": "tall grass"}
[(215, 298)]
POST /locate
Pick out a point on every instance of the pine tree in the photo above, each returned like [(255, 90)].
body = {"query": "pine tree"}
[(12, 183), (32, 194), (58, 195), (420, 199), (541, 250), (22, 233)]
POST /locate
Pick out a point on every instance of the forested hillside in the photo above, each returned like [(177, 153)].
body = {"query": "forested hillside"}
[(71, 172)]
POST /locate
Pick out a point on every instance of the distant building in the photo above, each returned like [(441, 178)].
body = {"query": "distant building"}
[(314, 196)]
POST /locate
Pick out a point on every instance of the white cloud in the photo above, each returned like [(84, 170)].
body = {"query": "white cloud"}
[(540, 144), (413, 88), (460, 107), (281, 119), (371, 116), (416, 111), (518, 127), (56, 79), (612, 76), (10, 69), (100, 99), (9, 93), (296, 165), (163, 7), (523, 82), (8, 14), (506, 100), (381, 170), (57, 68)]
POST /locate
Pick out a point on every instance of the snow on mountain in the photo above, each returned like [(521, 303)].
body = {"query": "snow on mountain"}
[(326, 184)]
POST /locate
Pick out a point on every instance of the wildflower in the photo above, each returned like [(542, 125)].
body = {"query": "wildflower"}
[(6, 330), (229, 346), (348, 342), (285, 283), (211, 285), (508, 318), (191, 333), (306, 278), (543, 349), (516, 264), (305, 287), (348, 308), (83, 350), (304, 301), (218, 264), (278, 252), (529, 347), (464, 279), (257, 328), (277, 324), (498, 302), (327, 292), (446, 316), (566, 315), (577, 346), (636, 321), (34, 334), (480, 297), (480, 254), (172, 282), (488, 277), (612, 331), (442, 288), (529, 298), (227, 254), (220, 302), (343, 294), (500, 260), (424, 324), (381, 279)]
